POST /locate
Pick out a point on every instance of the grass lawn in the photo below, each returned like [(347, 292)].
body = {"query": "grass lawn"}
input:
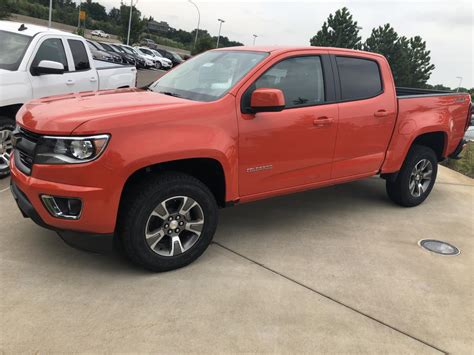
[(465, 165)]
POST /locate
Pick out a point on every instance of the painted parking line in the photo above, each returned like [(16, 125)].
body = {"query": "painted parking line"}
[(6, 189)]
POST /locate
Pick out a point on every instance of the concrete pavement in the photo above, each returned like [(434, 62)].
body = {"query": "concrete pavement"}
[(331, 270)]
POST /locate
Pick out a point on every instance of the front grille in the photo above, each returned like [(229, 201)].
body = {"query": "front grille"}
[(26, 160), (25, 149), (32, 137)]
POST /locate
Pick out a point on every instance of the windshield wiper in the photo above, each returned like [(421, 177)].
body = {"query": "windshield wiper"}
[(169, 93)]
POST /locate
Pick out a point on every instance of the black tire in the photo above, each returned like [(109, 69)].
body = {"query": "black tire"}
[(141, 201), (158, 65), (6, 123), (399, 189)]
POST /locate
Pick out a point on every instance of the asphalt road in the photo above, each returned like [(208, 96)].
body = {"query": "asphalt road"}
[(333, 270), (147, 76)]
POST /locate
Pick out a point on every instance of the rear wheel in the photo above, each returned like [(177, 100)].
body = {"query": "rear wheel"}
[(7, 125), (416, 178), (167, 221)]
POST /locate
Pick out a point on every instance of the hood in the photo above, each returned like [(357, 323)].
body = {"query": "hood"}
[(58, 115)]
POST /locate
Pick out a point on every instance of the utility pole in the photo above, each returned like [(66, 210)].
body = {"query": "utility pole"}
[(50, 12), (254, 38), (221, 21), (199, 22), (130, 20)]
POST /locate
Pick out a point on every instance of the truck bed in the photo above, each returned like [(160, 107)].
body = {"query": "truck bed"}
[(404, 92)]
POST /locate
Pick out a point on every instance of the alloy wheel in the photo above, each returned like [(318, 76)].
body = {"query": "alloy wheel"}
[(420, 178), (174, 226), (6, 148)]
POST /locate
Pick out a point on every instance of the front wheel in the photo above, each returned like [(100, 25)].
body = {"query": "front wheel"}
[(7, 126), (416, 178), (167, 221), (158, 65)]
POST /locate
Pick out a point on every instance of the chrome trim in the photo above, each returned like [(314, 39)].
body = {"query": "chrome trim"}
[(50, 203)]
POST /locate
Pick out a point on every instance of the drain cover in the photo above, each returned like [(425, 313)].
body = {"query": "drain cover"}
[(439, 247)]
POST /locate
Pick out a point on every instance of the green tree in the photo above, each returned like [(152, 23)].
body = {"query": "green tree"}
[(340, 30), (409, 59), (136, 26), (5, 9), (94, 10), (203, 44)]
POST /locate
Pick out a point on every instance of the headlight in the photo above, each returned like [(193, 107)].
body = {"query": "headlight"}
[(70, 150)]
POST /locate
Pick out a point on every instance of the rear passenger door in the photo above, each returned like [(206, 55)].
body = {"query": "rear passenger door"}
[(84, 76), (367, 114)]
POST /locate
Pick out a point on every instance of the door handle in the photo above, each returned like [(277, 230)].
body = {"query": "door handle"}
[(322, 121), (70, 82), (381, 113), (93, 79)]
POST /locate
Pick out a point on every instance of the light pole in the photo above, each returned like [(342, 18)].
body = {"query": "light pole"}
[(130, 20), (50, 13), (254, 38), (221, 21), (199, 21), (460, 82)]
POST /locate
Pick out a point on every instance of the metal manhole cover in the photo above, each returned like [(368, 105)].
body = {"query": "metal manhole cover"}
[(439, 247)]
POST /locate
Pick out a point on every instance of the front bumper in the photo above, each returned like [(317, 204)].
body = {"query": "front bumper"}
[(99, 243)]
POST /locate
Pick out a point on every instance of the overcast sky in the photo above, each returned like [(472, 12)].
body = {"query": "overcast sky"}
[(447, 26)]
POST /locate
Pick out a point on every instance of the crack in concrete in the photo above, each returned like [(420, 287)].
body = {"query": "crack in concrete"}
[(330, 298)]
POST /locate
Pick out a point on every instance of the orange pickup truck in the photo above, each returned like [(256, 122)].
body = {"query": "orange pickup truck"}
[(148, 168)]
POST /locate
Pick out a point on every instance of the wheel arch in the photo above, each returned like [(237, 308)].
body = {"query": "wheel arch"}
[(10, 111), (209, 171)]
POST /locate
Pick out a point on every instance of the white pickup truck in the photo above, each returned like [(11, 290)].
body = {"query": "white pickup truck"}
[(36, 62)]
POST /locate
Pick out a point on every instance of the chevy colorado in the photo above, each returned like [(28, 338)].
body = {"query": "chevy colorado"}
[(148, 168), (37, 62)]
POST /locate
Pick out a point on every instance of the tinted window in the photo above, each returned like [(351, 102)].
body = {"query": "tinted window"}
[(13, 49), (79, 54), (51, 49), (300, 79), (360, 78)]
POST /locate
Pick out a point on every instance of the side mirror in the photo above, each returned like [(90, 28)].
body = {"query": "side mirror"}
[(48, 67), (267, 100)]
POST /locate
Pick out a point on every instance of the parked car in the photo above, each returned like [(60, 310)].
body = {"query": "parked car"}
[(100, 33), (166, 63), (228, 126), (149, 62), (98, 54), (160, 62), (148, 43), (174, 57), (37, 62), (126, 58), (115, 58), (146, 52), (140, 61)]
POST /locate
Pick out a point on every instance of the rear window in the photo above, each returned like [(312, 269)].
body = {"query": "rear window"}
[(360, 78), (79, 54)]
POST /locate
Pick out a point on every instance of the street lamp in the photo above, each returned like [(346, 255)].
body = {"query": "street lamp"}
[(130, 20), (254, 38), (199, 21), (460, 82), (221, 21)]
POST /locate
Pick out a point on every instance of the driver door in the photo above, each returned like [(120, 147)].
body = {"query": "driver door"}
[(53, 49), (294, 147)]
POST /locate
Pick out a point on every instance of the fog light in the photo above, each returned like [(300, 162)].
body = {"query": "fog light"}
[(63, 207)]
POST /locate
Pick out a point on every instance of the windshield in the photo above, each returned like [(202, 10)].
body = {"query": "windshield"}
[(176, 56), (127, 50), (208, 76), (146, 51), (13, 47)]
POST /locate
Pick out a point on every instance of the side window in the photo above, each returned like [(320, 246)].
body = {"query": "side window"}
[(300, 79), (360, 78), (51, 49), (79, 54)]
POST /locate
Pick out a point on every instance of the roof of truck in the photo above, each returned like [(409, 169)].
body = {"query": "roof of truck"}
[(283, 49), (31, 30)]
